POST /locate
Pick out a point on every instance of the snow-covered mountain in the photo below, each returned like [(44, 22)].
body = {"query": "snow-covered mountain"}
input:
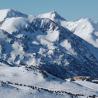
[(42, 42), (44, 50), (85, 28)]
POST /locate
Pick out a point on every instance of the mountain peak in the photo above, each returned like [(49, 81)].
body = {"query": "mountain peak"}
[(8, 13), (53, 15)]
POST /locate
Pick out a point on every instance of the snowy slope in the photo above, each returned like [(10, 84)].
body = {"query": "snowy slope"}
[(12, 91), (86, 29), (21, 78), (87, 84), (14, 24)]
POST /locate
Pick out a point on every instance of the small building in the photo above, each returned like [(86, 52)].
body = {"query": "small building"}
[(83, 78)]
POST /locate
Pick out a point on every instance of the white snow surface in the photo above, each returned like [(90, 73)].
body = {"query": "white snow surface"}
[(36, 78), (84, 28), (14, 24), (8, 13)]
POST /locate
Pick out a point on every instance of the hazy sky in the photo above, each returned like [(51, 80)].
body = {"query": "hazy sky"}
[(69, 9)]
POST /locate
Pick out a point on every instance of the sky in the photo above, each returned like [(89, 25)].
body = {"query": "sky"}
[(69, 9)]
